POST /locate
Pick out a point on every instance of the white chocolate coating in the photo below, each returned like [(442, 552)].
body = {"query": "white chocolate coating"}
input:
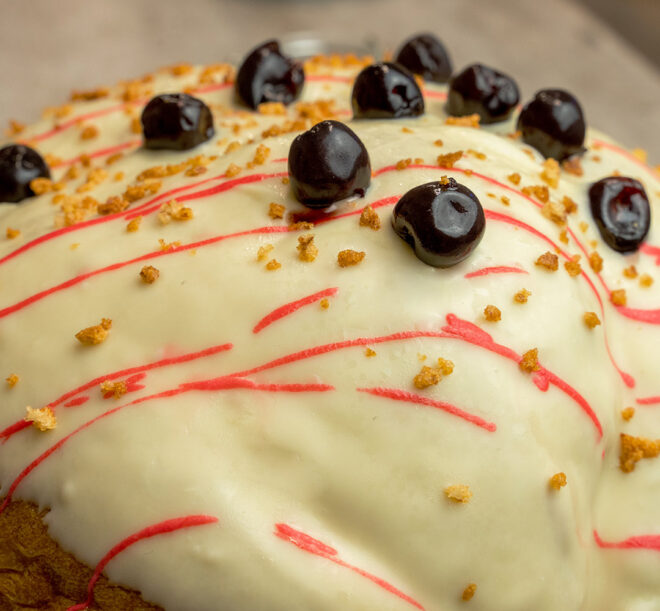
[(362, 473)]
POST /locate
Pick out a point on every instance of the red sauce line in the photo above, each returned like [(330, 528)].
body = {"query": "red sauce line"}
[(651, 251), (409, 397), (100, 153), (313, 546), (439, 95), (154, 530), (499, 269), (73, 403), (231, 382), (175, 360), (624, 153), (648, 542), (648, 400), (291, 307)]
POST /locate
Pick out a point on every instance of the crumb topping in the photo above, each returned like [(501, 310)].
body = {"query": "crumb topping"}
[(369, 218), (591, 319), (134, 224), (449, 159), (558, 481), (467, 121), (539, 192), (263, 251), (596, 262), (12, 233), (276, 211), (555, 212), (618, 297), (514, 178), (458, 493), (113, 205), (301, 226), (548, 261), (89, 132), (492, 313), (505, 200), (550, 173), (12, 379), (628, 413), (324, 303), (569, 205), (573, 166), (402, 164), (41, 185), (469, 591), (42, 419), (307, 250), (271, 108), (165, 246), (572, 266), (630, 272), (438, 142), (522, 296), (149, 274), (530, 361), (369, 353), (90, 336), (232, 170), (645, 280), (634, 449), (349, 257), (174, 211), (428, 376), (273, 265), (114, 389)]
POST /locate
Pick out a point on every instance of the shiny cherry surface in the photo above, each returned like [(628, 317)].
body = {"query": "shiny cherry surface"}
[(553, 123), (621, 210), (328, 163), (176, 121), (484, 91), (386, 91), (19, 165), (443, 222), (425, 55), (266, 75)]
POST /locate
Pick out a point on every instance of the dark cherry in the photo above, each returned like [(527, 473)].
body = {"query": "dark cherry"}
[(443, 223), (19, 165), (621, 210), (553, 123), (425, 55), (328, 163), (176, 121), (479, 89), (268, 76), (386, 91)]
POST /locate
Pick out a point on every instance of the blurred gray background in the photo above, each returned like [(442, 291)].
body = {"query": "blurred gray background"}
[(605, 51)]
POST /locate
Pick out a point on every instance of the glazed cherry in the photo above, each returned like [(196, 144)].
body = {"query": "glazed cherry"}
[(19, 165), (176, 121), (621, 210), (386, 91), (328, 163), (425, 55), (443, 222), (479, 89), (268, 76), (553, 123)]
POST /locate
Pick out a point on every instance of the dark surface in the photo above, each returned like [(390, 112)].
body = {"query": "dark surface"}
[(19, 165), (425, 55)]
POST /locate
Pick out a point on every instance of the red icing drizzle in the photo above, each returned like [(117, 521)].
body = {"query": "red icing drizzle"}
[(101, 153), (154, 530), (648, 400), (626, 154), (652, 251), (291, 307), (73, 403), (318, 548), (649, 542), (403, 395), (498, 269)]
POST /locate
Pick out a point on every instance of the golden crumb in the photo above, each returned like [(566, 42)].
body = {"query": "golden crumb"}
[(369, 218), (118, 176), (572, 266), (563, 236), (514, 178), (449, 159), (88, 96), (445, 366), (324, 303), (548, 261), (113, 158), (42, 419), (174, 211), (149, 274), (467, 121), (522, 296), (618, 297), (134, 224), (505, 200), (550, 173), (428, 376), (569, 205), (402, 164), (74, 246), (630, 272), (301, 226), (91, 336), (12, 233), (261, 155), (41, 185), (263, 251), (232, 170), (407, 130), (530, 361), (640, 154), (12, 380), (116, 389), (573, 166), (89, 132), (285, 180), (591, 319), (539, 192), (596, 158), (476, 154), (369, 352), (276, 211), (196, 170), (273, 264), (492, 313), (307, 250), (271, 108), (645, 280), (135, 192), (346, 258), (628, 413), (15, 128), (85, 160), (444, 180), (180, 69), (596, 262), (469, 591), (165, 246), (555, 212), (113, 205), (634, 449), (458, 493), (438, 142), (136, 125), (558, 481)]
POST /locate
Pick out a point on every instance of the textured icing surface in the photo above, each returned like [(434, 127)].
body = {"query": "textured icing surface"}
[(325, 468)]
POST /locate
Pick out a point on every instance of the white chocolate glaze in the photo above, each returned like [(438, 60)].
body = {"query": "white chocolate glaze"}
[(362, 473)]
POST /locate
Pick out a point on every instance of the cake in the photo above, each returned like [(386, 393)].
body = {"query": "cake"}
[(243, 373)]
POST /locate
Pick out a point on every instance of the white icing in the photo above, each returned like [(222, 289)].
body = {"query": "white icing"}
[(361, 473)]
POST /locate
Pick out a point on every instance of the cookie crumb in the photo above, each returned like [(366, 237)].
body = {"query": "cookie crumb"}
[(134, 224), (558, 481), (550, 173), (555, 212), (549, 261), (469, 591), (369, 352), (12, 233), (402, 164), (369, 218), (634, 449), (645, 280), (276, 211), (324, 303), (522, 296), (174, 211), (42, 419), (514, 178), (301, 226), (232, 170), (505, 200), (539, 192), (492, 313), (272, 265), (449, 159), (428, 376), (573, 266), (458, 493), (90, 336), (596, 262), (530, 361), (618, 297), (438, 142), (573, 166), (628, 413), (591, 319), (114, 389), (166, 246), (630, 272), (89, 132), (467, 121), (307, 250), (149, 274), (263, 251), (346, 258), (12, 380)]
